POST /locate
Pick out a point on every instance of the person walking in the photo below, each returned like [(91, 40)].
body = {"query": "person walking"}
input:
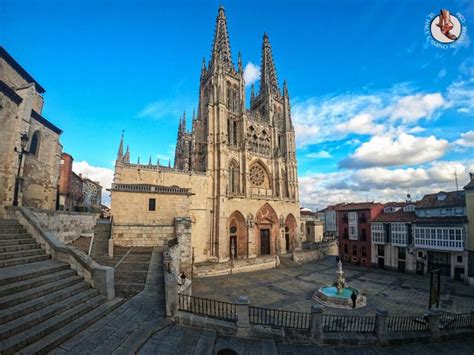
[(354, 299)]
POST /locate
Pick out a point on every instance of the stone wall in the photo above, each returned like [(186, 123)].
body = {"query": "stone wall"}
[(315, 251), (67, 226)]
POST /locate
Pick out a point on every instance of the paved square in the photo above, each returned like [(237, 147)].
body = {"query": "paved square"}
[(291, 287)]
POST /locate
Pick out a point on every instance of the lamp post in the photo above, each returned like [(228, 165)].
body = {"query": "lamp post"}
[(23, 141)]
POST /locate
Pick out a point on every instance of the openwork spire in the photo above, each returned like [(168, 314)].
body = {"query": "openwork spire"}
[(221, 46), (120, 150), (268, 76)]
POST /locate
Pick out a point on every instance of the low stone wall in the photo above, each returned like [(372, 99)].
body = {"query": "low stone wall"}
[(238, 266), (315, 251), (67, 226), (306, 256), (138, 235)]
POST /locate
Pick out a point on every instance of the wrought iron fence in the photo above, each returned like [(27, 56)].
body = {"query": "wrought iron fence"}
[(454, 321), (407, 323), (362, 324), (279, 318), (207, 307)]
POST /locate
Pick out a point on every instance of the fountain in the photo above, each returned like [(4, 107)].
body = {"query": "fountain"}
[(339, 293)]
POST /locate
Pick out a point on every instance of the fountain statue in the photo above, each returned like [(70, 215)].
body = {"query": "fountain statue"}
[(339, 293), (340, 282)]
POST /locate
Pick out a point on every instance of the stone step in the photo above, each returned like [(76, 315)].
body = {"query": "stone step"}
[(27, 295), (6, 222), (20, 254), (25, 272), (21, 309), (18, 247), (35, 282), (13, 230), (29, 320), (51, 341), (25, 260), (14, 236), (7, 242), (31, 335)]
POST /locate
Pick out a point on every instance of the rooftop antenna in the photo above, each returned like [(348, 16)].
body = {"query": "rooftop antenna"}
[(456, 179)]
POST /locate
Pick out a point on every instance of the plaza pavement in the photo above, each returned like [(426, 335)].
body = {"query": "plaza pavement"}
[(291, 287), (139, 326)]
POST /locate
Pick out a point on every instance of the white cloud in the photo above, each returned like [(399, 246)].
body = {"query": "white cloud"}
[(393, 150), (361, 124), (251, 73), (413, 107), (323, 154), (466, 140), (331, 118), (461, 96), (381, 184), (104, 176)]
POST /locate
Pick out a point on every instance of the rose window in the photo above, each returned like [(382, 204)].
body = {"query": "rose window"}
[(257, 175)]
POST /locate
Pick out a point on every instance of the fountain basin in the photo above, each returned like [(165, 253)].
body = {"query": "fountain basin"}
[(329, 296)]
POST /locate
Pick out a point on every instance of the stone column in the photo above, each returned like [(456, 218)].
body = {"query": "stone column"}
[(434, 317), (243, 324), (381, 325), (171, 287), (316, 322)]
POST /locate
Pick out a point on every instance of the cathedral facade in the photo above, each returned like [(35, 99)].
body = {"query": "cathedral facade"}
[(234, 174)]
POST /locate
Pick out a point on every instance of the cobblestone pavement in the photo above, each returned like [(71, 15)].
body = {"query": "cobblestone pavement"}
[(291, 287)]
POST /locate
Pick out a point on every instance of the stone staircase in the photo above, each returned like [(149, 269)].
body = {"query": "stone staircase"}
[(43, 302)]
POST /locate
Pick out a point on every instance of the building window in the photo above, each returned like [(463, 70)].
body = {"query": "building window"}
[(378, 233), (444, 238), (363, 235), (459, 259), (402, 253), (34, 145), (309, 231), (354, 250), (399, 234), (364, 250), (152, 204), (380, 250)]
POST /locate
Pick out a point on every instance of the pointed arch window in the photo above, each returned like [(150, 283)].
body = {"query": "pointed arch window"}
[(35, 142), (233, 178)]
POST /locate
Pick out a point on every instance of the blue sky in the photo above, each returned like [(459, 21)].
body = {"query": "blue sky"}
[(378, 109)]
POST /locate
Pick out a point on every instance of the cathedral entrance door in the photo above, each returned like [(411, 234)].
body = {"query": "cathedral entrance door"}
[(287, 242), (264, 241)]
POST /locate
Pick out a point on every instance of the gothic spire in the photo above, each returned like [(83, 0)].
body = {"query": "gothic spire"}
[(194, 115), (126, 157), (183, 124), (268, 76), (221, 45), (239, 64), (149, 161), (120, 150), (252, 93)]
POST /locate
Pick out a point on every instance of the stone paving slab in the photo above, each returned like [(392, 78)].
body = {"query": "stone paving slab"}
[(291, 287)]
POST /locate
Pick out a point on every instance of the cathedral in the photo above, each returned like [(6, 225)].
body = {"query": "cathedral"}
[(234, 173)]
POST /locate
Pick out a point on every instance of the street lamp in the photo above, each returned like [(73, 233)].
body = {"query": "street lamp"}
[(23, 141)]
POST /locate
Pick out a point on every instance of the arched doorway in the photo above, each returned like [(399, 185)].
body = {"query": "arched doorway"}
[(290, 232), (238, 240), (267, 230)]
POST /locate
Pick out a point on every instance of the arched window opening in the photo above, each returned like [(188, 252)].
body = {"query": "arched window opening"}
[(34, 145)]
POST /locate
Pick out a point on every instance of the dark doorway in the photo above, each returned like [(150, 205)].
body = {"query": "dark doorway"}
[(381, 262), (458, 273), (287, 242), (420, 268), (401, 265), (233, 246), (264, 242), (439, 260)]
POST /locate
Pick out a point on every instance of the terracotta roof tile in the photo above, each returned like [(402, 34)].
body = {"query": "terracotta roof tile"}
[(452, 199)]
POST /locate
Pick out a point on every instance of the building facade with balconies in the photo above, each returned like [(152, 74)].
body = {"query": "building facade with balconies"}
[(440, 232), (392, 237), (354, 230)]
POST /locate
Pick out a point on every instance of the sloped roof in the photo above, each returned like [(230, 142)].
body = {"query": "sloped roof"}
[(451, 199), (398, 216), (357, 206)]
